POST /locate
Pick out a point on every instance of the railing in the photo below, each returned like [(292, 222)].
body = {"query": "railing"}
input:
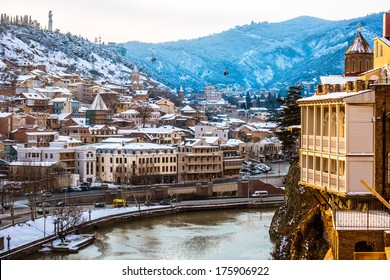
[(381, 81), (321, 179), (321, 143), (362, 220)]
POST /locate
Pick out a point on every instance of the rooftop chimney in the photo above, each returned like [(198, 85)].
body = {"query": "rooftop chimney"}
[(386, 25)]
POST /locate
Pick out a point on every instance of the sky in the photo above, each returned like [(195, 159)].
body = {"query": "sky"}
[(154, 21)]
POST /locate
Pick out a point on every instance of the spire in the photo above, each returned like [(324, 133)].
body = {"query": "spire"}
[(359, 57), (359, 45), (98, 103)]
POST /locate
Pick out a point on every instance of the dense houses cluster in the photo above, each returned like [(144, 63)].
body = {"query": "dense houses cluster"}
[(82, 130)]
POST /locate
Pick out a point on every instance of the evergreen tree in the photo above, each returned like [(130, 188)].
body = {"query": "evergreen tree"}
[(248, 100), (289, 115)]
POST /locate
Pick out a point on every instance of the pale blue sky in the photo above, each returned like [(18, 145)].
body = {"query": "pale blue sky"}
[(167, 20)]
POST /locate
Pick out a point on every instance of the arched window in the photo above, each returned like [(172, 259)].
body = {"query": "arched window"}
[(363, 246)]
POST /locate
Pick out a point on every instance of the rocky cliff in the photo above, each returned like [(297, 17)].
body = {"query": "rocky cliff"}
[(297, 229)]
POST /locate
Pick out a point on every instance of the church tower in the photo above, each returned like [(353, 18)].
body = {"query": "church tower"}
[(135, 75), (180, 93), (359, 57)]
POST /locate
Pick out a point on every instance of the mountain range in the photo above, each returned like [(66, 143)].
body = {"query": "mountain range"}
[(267, 56), (257, 55)]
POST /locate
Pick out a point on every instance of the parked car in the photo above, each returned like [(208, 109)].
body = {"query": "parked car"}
[(85, 188), (76, 189), (260, 194), (165, 202), (46, 194), (43, 210), (61, 204), (100, 204), (67, 189)]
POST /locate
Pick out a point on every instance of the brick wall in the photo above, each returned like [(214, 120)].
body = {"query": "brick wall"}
[(347, 240)]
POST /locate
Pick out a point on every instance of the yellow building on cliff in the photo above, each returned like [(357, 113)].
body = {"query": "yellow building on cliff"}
[(345, 137)]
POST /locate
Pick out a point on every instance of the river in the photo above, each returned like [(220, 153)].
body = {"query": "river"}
[(239, 234)]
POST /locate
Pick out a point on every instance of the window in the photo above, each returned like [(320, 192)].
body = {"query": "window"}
[(376, 50)]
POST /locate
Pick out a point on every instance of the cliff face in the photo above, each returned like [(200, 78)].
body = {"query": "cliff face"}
[(297, 228)]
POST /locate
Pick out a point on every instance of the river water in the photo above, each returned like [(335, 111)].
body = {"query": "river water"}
[(207, 235)]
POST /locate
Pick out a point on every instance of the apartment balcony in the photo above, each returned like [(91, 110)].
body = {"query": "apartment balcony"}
[(324, 144), (324, 180)]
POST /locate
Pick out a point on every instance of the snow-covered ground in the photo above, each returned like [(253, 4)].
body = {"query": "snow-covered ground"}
[(29, 231)]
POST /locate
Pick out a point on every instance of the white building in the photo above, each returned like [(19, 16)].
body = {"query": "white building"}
[(79, 160), (211, 131)]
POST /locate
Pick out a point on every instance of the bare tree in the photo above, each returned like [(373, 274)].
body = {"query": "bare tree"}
[(144, 112), (67, 218), (9, 194)]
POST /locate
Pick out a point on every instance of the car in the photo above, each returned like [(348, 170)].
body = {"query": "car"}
[(259, 194), (85, 188), (165, 202), (61, 204), (45, 204), (46, 194), (76, 189), (100, 204), (43, 210), (67, 189)]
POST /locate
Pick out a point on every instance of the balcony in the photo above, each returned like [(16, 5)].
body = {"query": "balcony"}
[(362, 220), (318, 143), (324, 180)]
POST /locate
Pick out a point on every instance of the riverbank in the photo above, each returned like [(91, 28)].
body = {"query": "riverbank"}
[(27, 237)]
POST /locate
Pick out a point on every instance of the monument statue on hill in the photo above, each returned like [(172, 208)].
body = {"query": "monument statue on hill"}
[(50, 26)]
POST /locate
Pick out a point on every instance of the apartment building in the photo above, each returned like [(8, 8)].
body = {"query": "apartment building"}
[(80, 160), (337, 148), (199, 160), (136, 163)]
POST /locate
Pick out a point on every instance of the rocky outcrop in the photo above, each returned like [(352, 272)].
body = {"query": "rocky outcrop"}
[(297, 228)]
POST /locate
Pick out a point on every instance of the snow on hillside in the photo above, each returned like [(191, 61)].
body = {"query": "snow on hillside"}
[(26, 45), (256, 54)]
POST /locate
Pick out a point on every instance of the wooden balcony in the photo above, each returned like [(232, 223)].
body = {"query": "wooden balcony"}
[(318, 143), (324, 180)]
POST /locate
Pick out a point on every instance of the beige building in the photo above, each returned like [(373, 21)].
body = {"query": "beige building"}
[(136, 163), (198, 160), (337, 148)]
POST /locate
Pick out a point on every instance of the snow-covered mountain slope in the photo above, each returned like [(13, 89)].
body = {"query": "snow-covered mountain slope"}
[(257, 55), (24, 44)]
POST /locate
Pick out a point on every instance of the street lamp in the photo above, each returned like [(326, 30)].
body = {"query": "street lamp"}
[(9, 242)]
